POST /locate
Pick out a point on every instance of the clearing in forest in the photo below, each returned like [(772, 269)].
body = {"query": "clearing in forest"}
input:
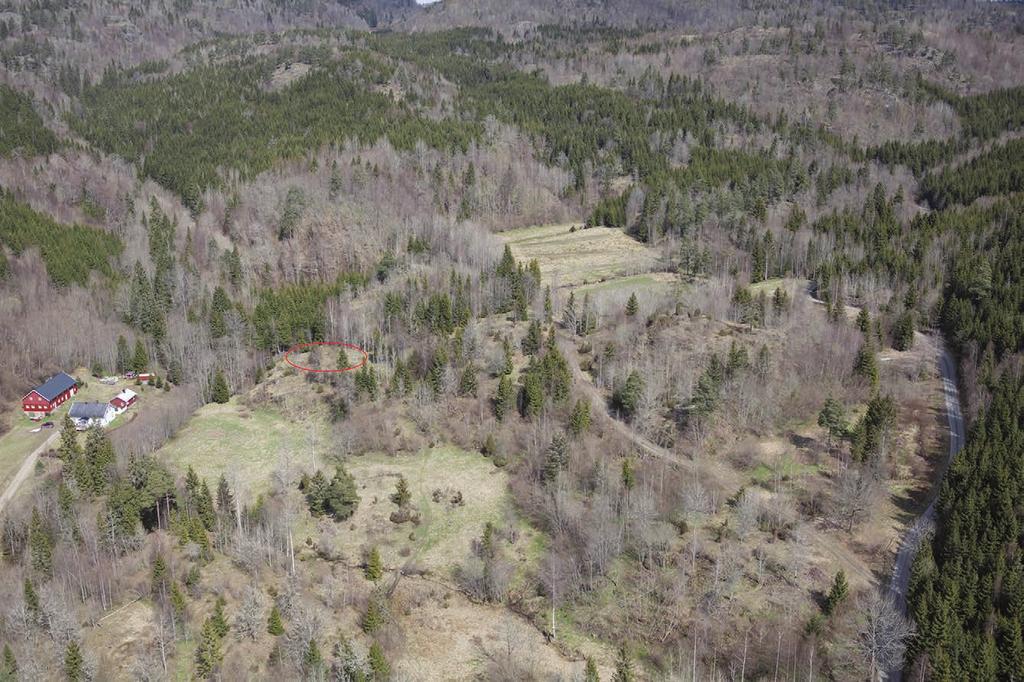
[(572, 257), (454, 493), (245, 444)]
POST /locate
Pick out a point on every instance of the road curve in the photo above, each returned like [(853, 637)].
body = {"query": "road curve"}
[(926, 522), (26, 469)]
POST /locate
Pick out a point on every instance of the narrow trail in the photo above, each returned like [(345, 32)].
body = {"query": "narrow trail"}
[(26, 469), (926, 522), (598, 399)]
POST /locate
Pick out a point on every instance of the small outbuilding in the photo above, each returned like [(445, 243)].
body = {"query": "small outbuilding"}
[(123, 400), (86, 415)]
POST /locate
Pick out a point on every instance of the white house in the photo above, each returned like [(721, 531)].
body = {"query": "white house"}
[(85, 415)]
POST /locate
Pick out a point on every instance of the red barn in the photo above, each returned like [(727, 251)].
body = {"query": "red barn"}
[(123, 400), (44, 399)]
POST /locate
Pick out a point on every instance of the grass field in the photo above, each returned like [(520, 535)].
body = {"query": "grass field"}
[(445, 531), (582, 256), (243, 443)]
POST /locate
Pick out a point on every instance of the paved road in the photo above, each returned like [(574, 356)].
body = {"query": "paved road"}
[(926, 522), (26, 469)]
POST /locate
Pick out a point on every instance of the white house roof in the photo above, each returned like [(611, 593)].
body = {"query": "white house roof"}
[(126, 395)]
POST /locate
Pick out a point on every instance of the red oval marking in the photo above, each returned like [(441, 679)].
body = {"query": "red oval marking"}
[(299, 346)]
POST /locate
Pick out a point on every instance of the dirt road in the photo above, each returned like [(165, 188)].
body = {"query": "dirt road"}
[(926, 522), (26, 469)]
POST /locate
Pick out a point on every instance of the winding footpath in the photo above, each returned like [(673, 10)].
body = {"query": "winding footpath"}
[(926, 522)]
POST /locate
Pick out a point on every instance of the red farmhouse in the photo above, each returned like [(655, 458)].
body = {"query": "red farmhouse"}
[(44, 399)]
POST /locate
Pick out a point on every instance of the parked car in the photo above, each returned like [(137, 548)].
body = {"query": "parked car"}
[(47, 425)]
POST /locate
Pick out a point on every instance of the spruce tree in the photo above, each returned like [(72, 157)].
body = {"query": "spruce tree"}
[(836, 595), (504, 398), (69, 449), (312, 660), (220, 621), (467, 382), (10, 664), (402, 495), (124, 360), (204, 507), (225, 500), (31, 598), (579, 420), (865, 365), (632, 305), (832, 419), (40, 545), (557, 457), (590, 673), (158, 577), (274, 624), (140, 359), (208, 649), (623, 667), (219, 391), (74, 666), (374, 568), (379, 666)]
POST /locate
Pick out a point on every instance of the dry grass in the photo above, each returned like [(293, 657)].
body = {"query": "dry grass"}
[(246, 444), (588, 256), (445, 531)]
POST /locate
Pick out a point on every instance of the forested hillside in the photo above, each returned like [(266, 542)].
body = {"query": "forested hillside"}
[(520, 340)]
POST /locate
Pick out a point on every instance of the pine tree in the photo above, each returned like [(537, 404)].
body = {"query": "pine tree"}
[(274, 624), (219, 391), (632, 305), (379, 666), (374, 568), (836, 595), (73, 663)]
